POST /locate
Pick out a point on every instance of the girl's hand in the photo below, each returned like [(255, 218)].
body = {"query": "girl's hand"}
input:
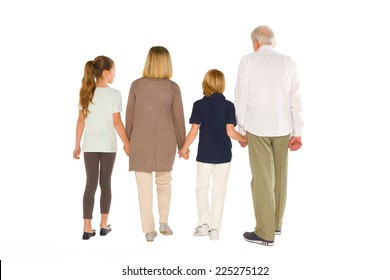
[(126, 146), (76, 152), (126, 149)]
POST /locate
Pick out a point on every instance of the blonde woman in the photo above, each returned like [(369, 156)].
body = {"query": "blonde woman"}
[(99, 116), (215, 117), (155, 126)]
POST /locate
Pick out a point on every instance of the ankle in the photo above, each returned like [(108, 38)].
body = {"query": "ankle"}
[(88, 229)]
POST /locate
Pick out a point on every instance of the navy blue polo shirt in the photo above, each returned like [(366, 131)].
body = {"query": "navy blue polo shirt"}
[(212, 114)]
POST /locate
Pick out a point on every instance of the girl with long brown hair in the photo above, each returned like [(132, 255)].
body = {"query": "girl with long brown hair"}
[(99, 119)]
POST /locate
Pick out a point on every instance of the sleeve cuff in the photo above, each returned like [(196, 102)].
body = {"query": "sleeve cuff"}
[(242, 131)]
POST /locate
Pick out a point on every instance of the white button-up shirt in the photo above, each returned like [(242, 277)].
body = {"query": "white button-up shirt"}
[(267, 94)]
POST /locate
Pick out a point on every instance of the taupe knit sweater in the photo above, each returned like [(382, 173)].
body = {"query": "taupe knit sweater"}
[(154, 124)]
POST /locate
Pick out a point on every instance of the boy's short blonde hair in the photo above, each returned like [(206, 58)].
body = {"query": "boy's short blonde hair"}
[(213, 82), (158, 64)]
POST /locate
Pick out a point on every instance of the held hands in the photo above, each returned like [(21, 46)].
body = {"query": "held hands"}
[(244, 143), (295, 143), (184, 153), (126, 148)]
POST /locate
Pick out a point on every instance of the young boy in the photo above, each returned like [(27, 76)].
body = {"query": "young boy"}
[(215, 117)]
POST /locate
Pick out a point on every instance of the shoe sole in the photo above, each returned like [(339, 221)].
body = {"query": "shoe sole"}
[(87, 238), (201, 234), (151, 238), (261, 242), (166, 232)]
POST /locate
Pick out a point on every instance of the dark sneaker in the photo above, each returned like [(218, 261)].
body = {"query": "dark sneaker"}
[(252, 237), (278, 232)]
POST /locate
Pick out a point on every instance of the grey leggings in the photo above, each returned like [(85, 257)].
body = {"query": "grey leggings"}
[(94, 162)]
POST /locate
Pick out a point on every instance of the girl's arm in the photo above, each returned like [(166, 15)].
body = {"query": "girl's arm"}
[(120, 129), (184, 152), (79, 134), (232, 133)]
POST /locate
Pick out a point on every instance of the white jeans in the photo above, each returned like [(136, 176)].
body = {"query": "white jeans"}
[(212, 216)]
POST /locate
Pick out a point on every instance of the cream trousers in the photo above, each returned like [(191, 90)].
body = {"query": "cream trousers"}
[(145, 195), (212, 216)]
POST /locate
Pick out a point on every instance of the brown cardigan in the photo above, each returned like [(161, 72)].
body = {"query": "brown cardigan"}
[(154, 124)]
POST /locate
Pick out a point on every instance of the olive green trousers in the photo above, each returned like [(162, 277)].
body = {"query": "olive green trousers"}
[(268, 157)]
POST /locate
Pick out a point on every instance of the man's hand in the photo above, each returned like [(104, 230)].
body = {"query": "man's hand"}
[(295, 143)]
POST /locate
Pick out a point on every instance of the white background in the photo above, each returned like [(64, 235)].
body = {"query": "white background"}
[(336, 223)]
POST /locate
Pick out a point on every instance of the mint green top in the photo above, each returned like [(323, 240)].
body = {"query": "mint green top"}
[(99, 131)]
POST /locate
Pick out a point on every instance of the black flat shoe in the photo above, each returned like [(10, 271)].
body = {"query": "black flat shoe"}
[(87, 235), (105, 231)]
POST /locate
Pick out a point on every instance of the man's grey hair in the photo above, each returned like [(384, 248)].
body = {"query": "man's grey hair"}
[(264, 35)]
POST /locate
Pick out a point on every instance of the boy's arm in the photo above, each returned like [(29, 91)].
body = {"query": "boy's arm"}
[(232, 133), (183, 152)]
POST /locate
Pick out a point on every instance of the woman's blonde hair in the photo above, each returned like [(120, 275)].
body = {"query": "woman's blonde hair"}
[(213, 82), (158, 64), (93, 70)]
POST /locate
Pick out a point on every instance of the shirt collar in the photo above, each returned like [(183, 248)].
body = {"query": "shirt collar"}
[(216, 95), (265, 48)]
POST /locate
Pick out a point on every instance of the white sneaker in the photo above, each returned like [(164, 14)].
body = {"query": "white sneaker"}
[(202, 230), (150, 236), (214, 234)]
